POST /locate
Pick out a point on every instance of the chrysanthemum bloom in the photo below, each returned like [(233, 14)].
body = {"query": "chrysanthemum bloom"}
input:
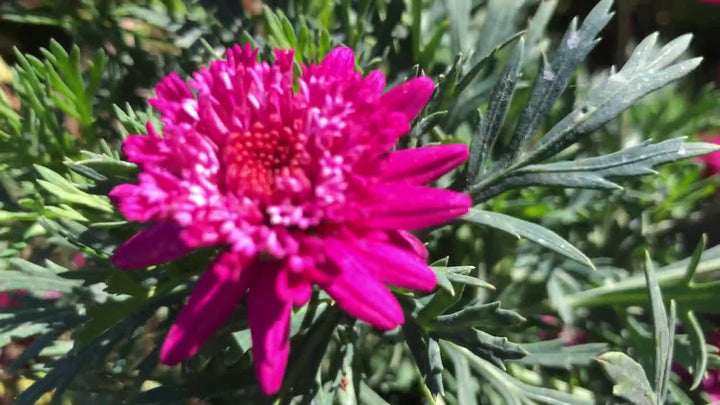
[(298, 187)]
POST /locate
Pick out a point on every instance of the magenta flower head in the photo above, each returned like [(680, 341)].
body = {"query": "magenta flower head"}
[(296, 179)]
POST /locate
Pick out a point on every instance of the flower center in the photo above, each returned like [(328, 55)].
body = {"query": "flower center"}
[(256, 159)]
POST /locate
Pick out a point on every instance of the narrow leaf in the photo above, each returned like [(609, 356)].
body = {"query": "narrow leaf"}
[(698, 346), (484, 139), (554, 77), (660, 325), (647, 70), (477, 315), (554, 354), (532, 232)]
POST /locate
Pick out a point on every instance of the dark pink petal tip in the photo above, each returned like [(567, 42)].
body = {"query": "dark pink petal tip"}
[(340, 62), (427, 207), (269, 319), (156, 244), (212, 301), (408, 98), (358, 292), (423, 165)]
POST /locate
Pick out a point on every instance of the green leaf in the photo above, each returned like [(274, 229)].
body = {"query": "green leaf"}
[(90, 240), (628, 377), (105, 165), (553, 78), (120, 282), (132, 123), (698, 345), (500, 23), (559, 285), (515, 392), (476, 316), (459, 16), (369, 397), (595, 173), (633, 290), (427, 123), (65, 370), (647, 70), (535, 43), (23, 331), (102, 317), (45, 280), (276, 26), (10, 216), (489, 128), (308, 351), (442, 280), (208, 386), (466, 384), (459, 278), (492, 348), (532, 232), (68, 192), (429, 50), (554, 354), (40, 343), (347, 395), (483, 63), (661, 328), (426, 353)]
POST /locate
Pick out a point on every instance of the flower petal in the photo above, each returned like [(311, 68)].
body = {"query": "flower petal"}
[(213, 299), (269, 319), (374, 82), (408, 241), (340, 62), (358, 292), (394, 265), (292, 287), (409, 97), (423, 165), (156, 244), (392, 209), (174, 100)]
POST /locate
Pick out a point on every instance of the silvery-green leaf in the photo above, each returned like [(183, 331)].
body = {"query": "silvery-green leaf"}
[(554, 77), (661, 330), (628, 377), (597, 172), (554, 354), (494, 349), (500, 23), (535, 43), (528, 230), (477, 315), (487, 132), (648, 69), (459, 15)]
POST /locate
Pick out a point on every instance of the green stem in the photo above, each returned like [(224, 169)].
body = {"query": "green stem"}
[(310, 314), (425, 390)]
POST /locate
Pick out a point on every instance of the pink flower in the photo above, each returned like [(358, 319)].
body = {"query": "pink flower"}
[(298, 187), (711, 160)]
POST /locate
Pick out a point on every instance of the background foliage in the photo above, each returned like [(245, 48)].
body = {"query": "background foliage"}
[(565, 284)]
